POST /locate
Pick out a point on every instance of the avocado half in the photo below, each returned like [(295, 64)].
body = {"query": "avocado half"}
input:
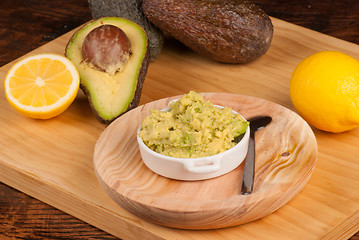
[(111, 95)]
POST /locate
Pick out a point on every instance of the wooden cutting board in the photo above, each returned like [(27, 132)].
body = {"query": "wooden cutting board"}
[(53, 160)]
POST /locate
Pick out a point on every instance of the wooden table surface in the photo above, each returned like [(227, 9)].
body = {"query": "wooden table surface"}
[(27, 24)]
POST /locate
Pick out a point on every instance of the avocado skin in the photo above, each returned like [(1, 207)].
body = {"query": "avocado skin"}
[(229, 31), (140, 79), (131, 10)]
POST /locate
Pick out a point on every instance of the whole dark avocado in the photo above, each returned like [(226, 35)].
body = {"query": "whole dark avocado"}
[(111, 55), (229, 31), (131, 10)]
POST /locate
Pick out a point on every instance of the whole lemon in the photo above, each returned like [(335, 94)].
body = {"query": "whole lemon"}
[(324, 89)]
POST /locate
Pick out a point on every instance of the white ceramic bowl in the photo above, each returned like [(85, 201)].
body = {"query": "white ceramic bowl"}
[(195, 168)]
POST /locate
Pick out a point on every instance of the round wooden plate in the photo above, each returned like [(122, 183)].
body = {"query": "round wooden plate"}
[(286, 153)]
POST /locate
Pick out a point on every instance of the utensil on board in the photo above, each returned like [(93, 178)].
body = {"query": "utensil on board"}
[(255, 123)]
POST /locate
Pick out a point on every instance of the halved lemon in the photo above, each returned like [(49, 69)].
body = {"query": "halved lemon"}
[(42, 86)]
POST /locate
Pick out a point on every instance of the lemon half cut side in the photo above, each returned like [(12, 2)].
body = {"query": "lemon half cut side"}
[(42, 86)]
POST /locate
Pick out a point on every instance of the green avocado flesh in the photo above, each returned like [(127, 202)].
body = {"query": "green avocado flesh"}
[(112, 95)]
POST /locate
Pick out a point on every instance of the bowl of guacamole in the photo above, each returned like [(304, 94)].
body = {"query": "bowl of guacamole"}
[(193, 139)]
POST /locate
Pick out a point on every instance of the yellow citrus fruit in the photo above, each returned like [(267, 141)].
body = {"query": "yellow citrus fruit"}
[(42, 86), (324, 89)]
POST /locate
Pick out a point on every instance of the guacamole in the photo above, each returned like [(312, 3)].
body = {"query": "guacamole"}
[(193, 127)]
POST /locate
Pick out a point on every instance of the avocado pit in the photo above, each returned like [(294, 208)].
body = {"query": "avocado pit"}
[(107, 49)]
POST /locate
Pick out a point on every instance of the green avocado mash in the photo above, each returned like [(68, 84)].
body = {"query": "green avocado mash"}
[(192, 128)]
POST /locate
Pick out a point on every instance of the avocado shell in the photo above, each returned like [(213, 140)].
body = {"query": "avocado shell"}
[(131, 10), (229, 31)]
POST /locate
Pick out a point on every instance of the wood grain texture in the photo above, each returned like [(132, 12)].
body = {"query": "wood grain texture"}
[(286, 153), (27, 25), (62, 174)]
